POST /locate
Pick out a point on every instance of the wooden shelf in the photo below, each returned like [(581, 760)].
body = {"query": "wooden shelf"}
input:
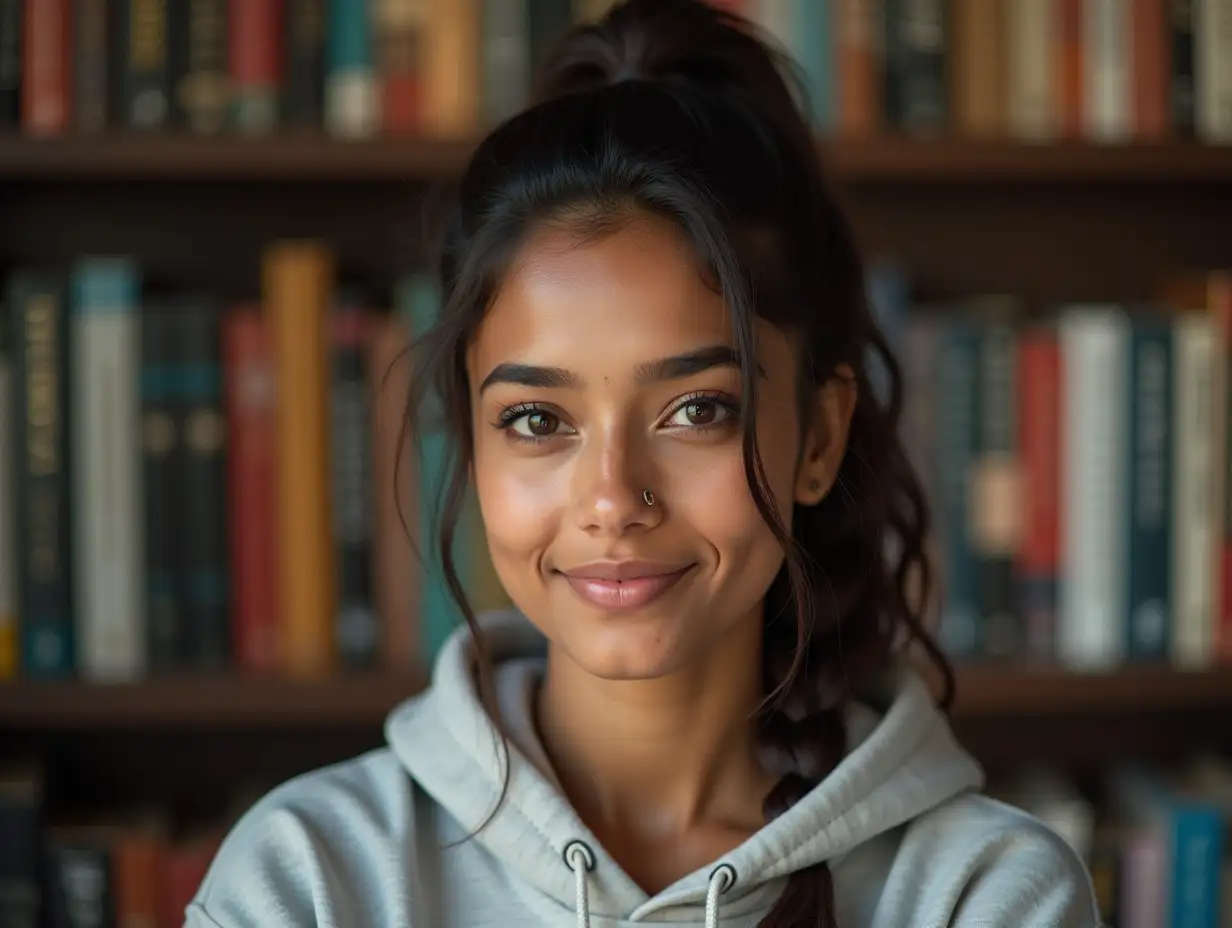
[(317, 158), (232, 702)]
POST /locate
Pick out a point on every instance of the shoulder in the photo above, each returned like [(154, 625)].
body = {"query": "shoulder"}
[(320, 849), (990, 864)]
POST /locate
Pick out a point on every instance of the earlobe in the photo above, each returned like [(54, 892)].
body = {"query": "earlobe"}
[(826, 438)]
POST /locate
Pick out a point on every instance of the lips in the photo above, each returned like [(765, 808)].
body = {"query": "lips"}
[(624, 584)]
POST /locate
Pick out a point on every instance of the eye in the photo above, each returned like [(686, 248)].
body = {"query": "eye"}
[(536, 424), (700, 412)]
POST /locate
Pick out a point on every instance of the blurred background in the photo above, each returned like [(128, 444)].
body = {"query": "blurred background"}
[(215, 229)]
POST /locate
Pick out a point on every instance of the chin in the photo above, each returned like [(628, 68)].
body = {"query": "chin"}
[(624, 647)]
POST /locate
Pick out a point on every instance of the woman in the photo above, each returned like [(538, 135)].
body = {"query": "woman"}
[(652, 357)]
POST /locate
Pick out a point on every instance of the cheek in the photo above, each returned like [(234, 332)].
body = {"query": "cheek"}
[(520, 506)]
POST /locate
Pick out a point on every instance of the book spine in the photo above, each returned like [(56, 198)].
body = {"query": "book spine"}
[(977, 84), (1031, 27), (351, 99), (1095, 353), (1213, 68), (20, 833), (996, 513), (859, 68), (1183, 94), (251, 422), (1194, 523), (919, 67), (91, 106), (136, 862), (957, 423), (1107, 84), (8, 512), (1150, 477), (399, 24), (1220, 296), (395, 569), (298, 283), (80, 892), (547, 21), (1071, 65), (201, 481), (48, 64), (304, 102), (160, 453), (147, 77), (506, 59), (203, 90), (12, 49), (438, 613), (255, 28), (356, 625), (43, 473), (1150, 68), (108, 548), (451, 68), (1040, 388), (1197, 837), (811, 23)]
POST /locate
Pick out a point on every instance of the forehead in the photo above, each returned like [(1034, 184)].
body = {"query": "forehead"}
[(606, 302)]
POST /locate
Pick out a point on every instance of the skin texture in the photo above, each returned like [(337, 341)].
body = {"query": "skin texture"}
[(644, 712)]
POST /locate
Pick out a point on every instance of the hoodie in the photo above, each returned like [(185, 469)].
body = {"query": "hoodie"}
[(392, 838)]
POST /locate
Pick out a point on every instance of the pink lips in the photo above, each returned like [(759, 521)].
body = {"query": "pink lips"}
[(624, 584)]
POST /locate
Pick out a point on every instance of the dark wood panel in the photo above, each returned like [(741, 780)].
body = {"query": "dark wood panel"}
[(311, 156)]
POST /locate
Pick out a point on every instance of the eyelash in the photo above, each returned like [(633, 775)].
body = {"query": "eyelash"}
[(511, 414)]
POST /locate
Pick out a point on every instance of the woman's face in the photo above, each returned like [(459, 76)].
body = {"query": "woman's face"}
[(605, 369)]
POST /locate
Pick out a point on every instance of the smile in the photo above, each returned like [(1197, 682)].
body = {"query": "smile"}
[(624, 585)]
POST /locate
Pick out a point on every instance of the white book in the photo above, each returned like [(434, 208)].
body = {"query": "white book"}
[(1196, 518), (1095, 346), (1107, 69), (1031, 83), (107, 512), (1213, 69)]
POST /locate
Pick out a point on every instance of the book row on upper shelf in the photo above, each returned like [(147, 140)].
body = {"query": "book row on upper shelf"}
[(1153, 837), (193, 492), (1105, 70)]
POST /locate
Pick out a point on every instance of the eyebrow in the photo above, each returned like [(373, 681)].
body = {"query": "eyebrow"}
[(676, 367)]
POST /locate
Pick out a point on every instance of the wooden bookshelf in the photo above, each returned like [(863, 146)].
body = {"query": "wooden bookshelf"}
[(315, 157), (363, 700)]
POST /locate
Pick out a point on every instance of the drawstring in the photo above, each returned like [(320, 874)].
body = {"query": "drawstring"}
[(722, 878), (581, 860)]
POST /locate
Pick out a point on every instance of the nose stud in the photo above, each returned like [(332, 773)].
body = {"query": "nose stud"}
[(648, 497)]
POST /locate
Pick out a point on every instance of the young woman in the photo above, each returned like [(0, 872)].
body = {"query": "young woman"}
[(653, 361)]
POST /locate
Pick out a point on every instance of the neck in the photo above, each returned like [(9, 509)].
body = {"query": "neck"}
[(659, 757)]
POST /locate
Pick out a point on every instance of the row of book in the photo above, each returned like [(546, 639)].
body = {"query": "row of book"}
[(199, 486), (1155, 840), (1077, 462), (1109, 70)]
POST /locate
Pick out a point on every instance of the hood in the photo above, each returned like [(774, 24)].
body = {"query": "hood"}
[(900, 763)]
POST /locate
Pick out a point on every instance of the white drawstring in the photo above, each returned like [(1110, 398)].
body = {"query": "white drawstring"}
[(581, 860), (722, 878)]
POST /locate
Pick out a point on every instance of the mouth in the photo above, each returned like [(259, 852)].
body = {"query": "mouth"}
[(624, 584)]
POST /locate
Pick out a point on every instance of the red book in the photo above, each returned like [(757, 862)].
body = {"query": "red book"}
[(47, 69), (184, 866), (1040, 388), (1152, 68), (251, 408), (399, 33), (255, 38)]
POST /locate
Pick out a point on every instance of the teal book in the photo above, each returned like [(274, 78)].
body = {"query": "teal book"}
[(812, 23), (1149, 487), (418, 299)]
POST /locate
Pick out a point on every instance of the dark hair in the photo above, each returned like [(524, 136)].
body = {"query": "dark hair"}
[(678, 109)]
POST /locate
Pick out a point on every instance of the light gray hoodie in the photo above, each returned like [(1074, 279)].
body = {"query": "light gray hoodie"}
[(381, 841)]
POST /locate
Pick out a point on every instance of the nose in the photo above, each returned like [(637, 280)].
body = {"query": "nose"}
[(611, 481)]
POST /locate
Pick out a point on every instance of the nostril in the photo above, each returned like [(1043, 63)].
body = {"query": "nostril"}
[(578, 855)]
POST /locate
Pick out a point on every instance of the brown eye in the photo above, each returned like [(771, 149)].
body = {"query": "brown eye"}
[(541, 424), (703, 413), (698, 414)]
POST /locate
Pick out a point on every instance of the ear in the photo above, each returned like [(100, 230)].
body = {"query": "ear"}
[(826, 427)]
